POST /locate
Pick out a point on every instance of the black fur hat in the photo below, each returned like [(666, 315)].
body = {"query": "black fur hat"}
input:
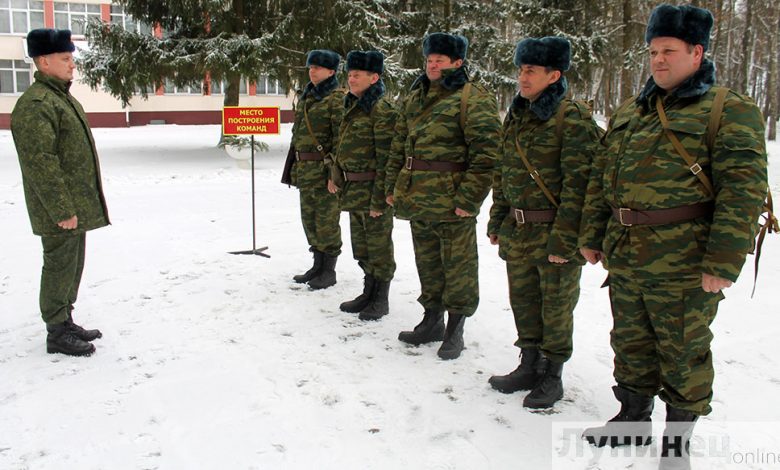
[(323, 58), (44, 41), (550, 51), (370, 61), (452, 45), (686, 22)]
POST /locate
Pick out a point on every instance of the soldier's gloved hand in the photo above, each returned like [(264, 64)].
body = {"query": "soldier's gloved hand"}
[(332, 188), (591, 256), (493, 238), (69, 224), (713, 284)]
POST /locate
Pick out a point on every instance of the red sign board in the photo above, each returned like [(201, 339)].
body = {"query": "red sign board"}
[(249, 120)]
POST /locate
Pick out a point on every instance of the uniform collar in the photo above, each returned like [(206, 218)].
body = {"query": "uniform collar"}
[(452, 79), (369, 98), (545, 106), (52, 82), (322, 89)]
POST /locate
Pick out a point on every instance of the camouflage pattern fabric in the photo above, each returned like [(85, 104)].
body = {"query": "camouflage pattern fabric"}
[(63, 264), (666, 311), (365, 136), (58, 159), (372, 243), (542, 294), (447, 265), (661, 338), (543, 298), (319, 208), (563, 166), (434, 195), (640, 169)]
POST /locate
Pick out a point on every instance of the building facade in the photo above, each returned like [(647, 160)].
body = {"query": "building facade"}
[(167, 104)]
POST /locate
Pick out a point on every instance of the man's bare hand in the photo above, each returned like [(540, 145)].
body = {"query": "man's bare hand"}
[(390, 200), (332, 188), (69, 224), (374, 214), (493, 239), (461, 213), (714, 284), (591, 256), (556, 259)]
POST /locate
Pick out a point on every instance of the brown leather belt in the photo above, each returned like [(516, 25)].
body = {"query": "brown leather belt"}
[(308, 156), (629, 217), (524, 216), (360, 176), (415, 164)]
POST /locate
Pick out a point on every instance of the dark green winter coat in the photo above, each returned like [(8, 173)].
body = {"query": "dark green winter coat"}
[(563, 165), (324, 105), (638, 168), (59, 162), (365, 136), (434, 195)]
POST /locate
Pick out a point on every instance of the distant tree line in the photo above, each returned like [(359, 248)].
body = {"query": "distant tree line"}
[(230, 39)]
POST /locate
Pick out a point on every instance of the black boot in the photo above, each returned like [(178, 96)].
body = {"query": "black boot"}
[(313, 271), (676, 441), (360, 302), (79, 332), (62, 340), (378, 306), (524, 377), (453, 337), (631, 426), (326, 277), (430, 329), (549, 389)]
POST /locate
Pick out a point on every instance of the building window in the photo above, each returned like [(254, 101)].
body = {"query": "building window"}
[(268, 86), (74, 16), (14, 76), (118, 16), (193, 89), (20, 16), (221, 87)]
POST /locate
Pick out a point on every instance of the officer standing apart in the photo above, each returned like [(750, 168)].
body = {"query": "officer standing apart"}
[(672, 234), (314, 134), (62, 186), (358, 176), (447, 138), (535, 220)]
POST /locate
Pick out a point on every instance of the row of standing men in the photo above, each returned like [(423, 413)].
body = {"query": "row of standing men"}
[(564, 193)]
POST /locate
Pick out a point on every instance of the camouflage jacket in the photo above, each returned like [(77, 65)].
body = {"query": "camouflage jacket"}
[(324, 106), (365, 135), (638, 168), (59, 162), (434, 195), (563, 165)]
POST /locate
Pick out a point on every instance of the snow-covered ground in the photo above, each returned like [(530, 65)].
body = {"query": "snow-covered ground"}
[(215, 361)]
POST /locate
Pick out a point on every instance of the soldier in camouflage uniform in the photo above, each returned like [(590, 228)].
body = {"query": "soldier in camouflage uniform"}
[(317, 117), (669, 244), (535, 221), (358, 177), (62, 186), (447, 138)]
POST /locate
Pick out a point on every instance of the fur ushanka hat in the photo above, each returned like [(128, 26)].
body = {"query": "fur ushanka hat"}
[(686, 22), (43, 41), (370, 61), (323, 58), (550, 51), (453, 46)]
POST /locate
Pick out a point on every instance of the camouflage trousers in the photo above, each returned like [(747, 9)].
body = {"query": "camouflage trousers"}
[(372, 243), (63, 263), (661, 338), (446, 257), (320, 216), (543, 298)]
